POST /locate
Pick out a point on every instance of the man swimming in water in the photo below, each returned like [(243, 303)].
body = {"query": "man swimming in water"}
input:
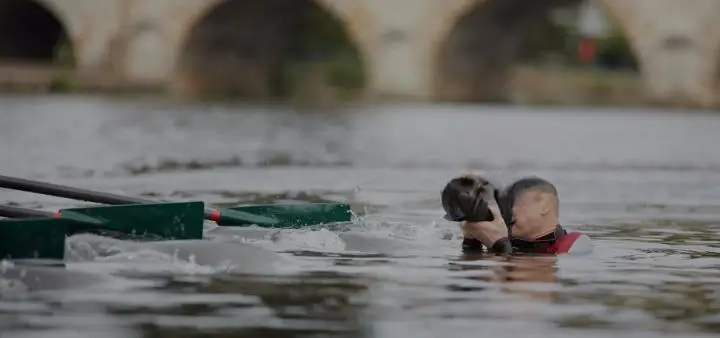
[(530, 207)]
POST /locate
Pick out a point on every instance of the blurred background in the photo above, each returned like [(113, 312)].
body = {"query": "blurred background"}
[(374, 103), (607, 52)]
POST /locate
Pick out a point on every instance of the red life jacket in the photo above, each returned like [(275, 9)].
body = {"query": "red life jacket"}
[(558, 242), (565, 243)]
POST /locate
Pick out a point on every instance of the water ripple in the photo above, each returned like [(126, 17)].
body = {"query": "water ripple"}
[(636, 183)]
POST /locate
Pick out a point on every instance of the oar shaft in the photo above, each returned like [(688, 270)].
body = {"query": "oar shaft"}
[(15, 212), (66, 192), (219, 216)]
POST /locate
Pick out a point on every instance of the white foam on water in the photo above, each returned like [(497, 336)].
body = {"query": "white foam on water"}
[(385, 235), (11, 287), (251, 250), (17, 280), (185, 257), (74, 333), (305, 239)]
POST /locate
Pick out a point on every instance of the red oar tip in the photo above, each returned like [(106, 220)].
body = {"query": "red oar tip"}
[(215, 215)]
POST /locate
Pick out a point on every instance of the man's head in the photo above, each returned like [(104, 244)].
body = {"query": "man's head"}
[(531, 207)]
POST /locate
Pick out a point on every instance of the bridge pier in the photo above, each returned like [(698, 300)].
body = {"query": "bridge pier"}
[(398, 47), (680, 74), (677, 44)]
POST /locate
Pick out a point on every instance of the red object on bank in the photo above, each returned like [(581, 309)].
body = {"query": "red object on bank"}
[(586, 50)]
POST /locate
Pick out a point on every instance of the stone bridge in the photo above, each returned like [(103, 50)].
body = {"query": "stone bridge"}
[(409, 48)]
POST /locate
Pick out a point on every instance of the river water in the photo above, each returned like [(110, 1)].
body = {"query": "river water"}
[(644, 184)]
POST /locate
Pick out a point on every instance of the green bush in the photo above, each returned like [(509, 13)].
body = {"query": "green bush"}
[(320, 48), (345, 71), (62, 82), (64, 62), (615, 52), (64, 54)]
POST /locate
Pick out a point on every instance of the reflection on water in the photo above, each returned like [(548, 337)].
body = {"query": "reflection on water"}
[(645, 185), (310, 304)]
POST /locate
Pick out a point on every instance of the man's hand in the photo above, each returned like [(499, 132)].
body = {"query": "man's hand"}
[(493, 234)]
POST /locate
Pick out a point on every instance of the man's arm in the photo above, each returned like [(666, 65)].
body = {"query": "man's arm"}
[(493, 234)]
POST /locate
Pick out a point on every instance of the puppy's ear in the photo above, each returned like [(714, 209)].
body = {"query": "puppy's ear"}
[(467, 181), (505, 201)]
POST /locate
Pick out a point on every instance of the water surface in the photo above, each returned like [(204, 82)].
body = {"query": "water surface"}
[(644, 184)]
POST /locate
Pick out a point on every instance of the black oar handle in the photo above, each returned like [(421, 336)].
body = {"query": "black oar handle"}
[(15, 212), (67, 192)]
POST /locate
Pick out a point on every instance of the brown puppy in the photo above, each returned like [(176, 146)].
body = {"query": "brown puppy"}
[(466, 198)]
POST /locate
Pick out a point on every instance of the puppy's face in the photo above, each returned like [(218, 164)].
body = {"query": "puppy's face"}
[(472, 185), (476, 186)]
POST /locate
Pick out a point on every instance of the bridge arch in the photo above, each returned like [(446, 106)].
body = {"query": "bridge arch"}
[(249, 49), (35, 30), (475, 50)]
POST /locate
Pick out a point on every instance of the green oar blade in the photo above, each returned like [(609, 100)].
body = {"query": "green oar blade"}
[(42, 238), (160, 221), (300, 215), (237, 218)]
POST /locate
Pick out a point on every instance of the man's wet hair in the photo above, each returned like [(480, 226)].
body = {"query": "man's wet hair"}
[(511, 193)]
